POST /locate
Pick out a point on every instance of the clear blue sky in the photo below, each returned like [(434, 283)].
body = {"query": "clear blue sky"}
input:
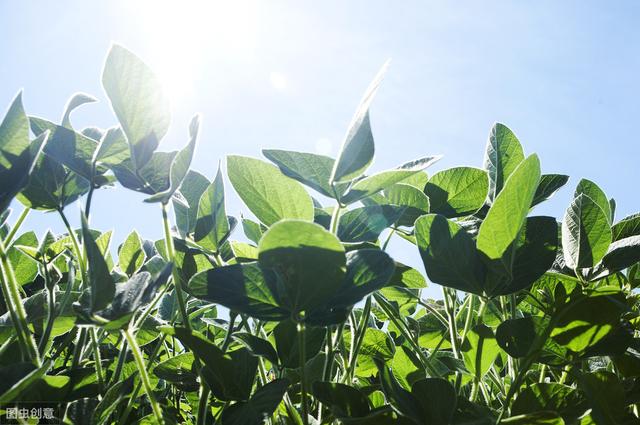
[(563, 75)]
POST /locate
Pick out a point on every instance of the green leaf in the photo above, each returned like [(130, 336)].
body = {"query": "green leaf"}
[(257, 346), (548, 186), (113, 148), (102, 287), (628, 226), (344, 401), (285, 335), (17, 154), (407, 277), (138, 100), (479, 350), (621, 254), (309, 169), (191, 190), (606, 396), (437, 398), (373, 184), (366, 223), (309, 261), (263, 403), (212, 225), (76, 100), (586, 233), (357, 150), (376, 344), (226, 380), (178, 371), (536, 418), (505, 219), (131, 255), (551, 397), (270, 195), (252, 230), (593, 191), (534, 255), (457, 192), (245, 288), (449, 254), (520, 337), (180, 165), (402, 400), (503, 155), (17, 378), (414, 201)]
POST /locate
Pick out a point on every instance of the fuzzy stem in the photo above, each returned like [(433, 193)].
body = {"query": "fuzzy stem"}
[(144, 376), (303, 384), (171, 253), (16, 226)]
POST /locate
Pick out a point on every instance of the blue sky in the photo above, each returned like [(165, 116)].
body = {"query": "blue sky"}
[(562, 75)]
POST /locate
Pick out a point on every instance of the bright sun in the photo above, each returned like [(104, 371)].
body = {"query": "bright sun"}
[(179, 36)]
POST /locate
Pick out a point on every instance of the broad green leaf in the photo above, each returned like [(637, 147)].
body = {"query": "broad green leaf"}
[(252, 230), (593, 191), (376, 344), (457, 192), (550, 397), (308, 260), (499, 230), (407, 277), (71, 149), (263, 403), (414, 201), (226, 380), (437, 398), (257, 346), (401, 399), (586, 233), (308, 168), (285, 335), (102, 286), (521, 337), (113, 148), (152, 178), (180, 165), (449, 254), (357, 150), (628, 226), (270, 195), (479, 350), (417, 180), (17, 378), (576, 327), (548, 186), (17, 154), (191, 190), (131, 255), (375, 183), (245, 288), (344, 401), (535, 418), (606, 396), (622, 253), (212, 225), (178, 371), (138, 100), (366, 223), (534, 255), (503, 155)]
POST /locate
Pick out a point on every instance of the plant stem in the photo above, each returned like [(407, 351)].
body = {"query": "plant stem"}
[(12, 233), (97, 358), (76, 246), (171, 253), (144, 376), (335, 219), (303, 384), (359, 337), (453, 333), (10, 288), (51, 313)]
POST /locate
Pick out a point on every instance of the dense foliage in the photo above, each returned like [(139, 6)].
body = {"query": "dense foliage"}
[(305, 318)]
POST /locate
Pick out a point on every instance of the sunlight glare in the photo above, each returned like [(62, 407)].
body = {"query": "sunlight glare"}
[(181, 36)]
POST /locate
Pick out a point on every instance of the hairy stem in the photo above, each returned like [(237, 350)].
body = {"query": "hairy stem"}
[(16, 226)]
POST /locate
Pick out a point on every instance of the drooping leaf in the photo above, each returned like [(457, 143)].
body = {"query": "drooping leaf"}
[(76, 101), (627, 227), (344, 401), (270, 195), (102, 286), (138, 100), (180, 165), (457, 192), (257, 346), (586, 233), (449, 254), (503, 155), (263, 403)]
